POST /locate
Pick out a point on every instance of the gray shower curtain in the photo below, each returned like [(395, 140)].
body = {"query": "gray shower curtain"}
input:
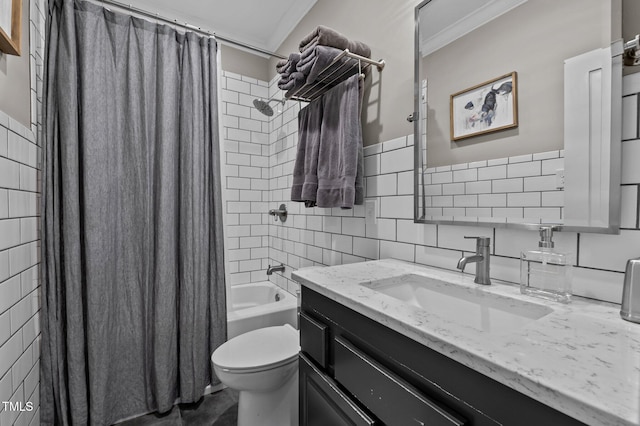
[(133, 299)]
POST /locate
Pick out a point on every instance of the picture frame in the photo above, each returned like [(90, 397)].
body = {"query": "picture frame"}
[(10, 26), (485, 108)]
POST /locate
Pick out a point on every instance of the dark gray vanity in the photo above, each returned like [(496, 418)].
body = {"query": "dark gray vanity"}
[(353, 371), (370, 357)]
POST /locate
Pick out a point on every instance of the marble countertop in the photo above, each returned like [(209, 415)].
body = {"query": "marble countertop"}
[(581, 359)]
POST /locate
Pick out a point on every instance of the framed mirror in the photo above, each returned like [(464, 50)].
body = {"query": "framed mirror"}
[(10, 26), (517, 113)]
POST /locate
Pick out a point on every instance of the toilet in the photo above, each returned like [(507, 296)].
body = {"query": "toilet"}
[(263, 366)]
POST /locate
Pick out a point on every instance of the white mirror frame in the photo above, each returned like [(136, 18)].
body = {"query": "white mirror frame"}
[(592, 135)]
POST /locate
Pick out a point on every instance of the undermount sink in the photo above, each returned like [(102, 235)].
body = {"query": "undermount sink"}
[(467, 306)]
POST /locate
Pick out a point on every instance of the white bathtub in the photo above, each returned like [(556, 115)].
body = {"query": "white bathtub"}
[(257, 305)]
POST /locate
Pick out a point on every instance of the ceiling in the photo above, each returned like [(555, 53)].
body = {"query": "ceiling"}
[(259, 23)]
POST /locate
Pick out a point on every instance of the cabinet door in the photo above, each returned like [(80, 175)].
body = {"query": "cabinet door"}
[(322, 403), (313, 339), (391, 398)]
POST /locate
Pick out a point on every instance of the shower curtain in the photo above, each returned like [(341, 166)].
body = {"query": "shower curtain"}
[(133, 301)]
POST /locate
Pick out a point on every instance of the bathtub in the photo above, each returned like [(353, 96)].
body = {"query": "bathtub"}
[(257, 305)]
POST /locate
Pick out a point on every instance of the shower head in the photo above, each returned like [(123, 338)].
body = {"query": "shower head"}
[(263, 106)]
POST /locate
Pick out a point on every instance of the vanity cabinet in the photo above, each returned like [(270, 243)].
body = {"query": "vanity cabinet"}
[(356, 371)]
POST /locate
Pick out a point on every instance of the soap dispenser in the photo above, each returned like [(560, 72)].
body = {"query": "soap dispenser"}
[(545, 272)]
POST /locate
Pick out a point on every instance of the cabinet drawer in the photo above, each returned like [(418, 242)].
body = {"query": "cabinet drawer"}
[(322, 403), (389, 397), (314, 339)]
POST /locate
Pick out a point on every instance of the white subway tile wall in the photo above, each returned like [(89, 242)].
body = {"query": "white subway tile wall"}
[(20, 169), (515, 188), (514, 182), (246, 177)]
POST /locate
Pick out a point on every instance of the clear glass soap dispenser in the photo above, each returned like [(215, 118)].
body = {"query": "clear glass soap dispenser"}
[(546, 272)]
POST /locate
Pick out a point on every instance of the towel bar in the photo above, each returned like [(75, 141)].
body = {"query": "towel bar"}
[(334, 73)]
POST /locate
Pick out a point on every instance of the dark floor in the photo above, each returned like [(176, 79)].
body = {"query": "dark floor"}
[(217, 409)]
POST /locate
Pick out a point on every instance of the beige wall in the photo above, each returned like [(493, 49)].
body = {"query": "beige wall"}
[(387, 26), (533, 40), (244, 63), (15, 96)]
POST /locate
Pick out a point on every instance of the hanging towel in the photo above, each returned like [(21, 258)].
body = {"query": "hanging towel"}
[(326, 36), (340, 154), (309, 92), (305, 168)]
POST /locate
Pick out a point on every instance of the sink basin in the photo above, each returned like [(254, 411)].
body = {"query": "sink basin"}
[(467, 306)]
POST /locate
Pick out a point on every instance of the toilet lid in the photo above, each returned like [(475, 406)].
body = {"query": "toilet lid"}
[(259, 349)]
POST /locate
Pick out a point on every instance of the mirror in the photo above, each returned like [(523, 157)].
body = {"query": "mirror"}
[(517, 113)]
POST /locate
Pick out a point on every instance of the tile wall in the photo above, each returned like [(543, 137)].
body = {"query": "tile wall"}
[(245, 133), (333, 236), (20, 164), (524, 189)]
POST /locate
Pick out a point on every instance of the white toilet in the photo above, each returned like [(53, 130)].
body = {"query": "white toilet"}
[(263, 365)]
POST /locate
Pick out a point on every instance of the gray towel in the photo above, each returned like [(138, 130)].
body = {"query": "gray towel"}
[(281, 64), (340, 154), (308, 57), (311, 91), (295, 81), (326, 36), (286, 66), (318, 59), (305, 168)]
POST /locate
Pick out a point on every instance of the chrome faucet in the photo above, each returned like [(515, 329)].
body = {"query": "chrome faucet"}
[(272, 269), (482, 258)]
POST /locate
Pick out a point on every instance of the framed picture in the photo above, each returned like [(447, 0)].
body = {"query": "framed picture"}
[(485, 108), (10, 26)]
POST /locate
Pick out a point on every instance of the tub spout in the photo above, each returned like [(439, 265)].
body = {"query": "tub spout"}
[(272, 269)]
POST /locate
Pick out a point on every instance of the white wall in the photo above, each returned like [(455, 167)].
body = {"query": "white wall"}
[(245, 178), (20, 165)]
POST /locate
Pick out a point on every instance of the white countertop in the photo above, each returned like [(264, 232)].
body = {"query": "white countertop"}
[(582, 359)]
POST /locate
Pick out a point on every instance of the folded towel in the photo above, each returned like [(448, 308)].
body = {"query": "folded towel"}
[(326, 36), (357, 47), (310, 55), (281, 64), (287, 66), (305, 168), (318, 59), (340, 154), (295, 81)]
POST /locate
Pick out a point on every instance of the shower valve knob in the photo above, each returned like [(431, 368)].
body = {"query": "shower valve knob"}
[(280, 213)]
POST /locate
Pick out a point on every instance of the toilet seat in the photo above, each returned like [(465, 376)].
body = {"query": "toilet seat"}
[(258, 350)]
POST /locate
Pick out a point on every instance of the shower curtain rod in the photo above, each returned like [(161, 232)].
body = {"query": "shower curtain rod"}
[(187, 26)]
